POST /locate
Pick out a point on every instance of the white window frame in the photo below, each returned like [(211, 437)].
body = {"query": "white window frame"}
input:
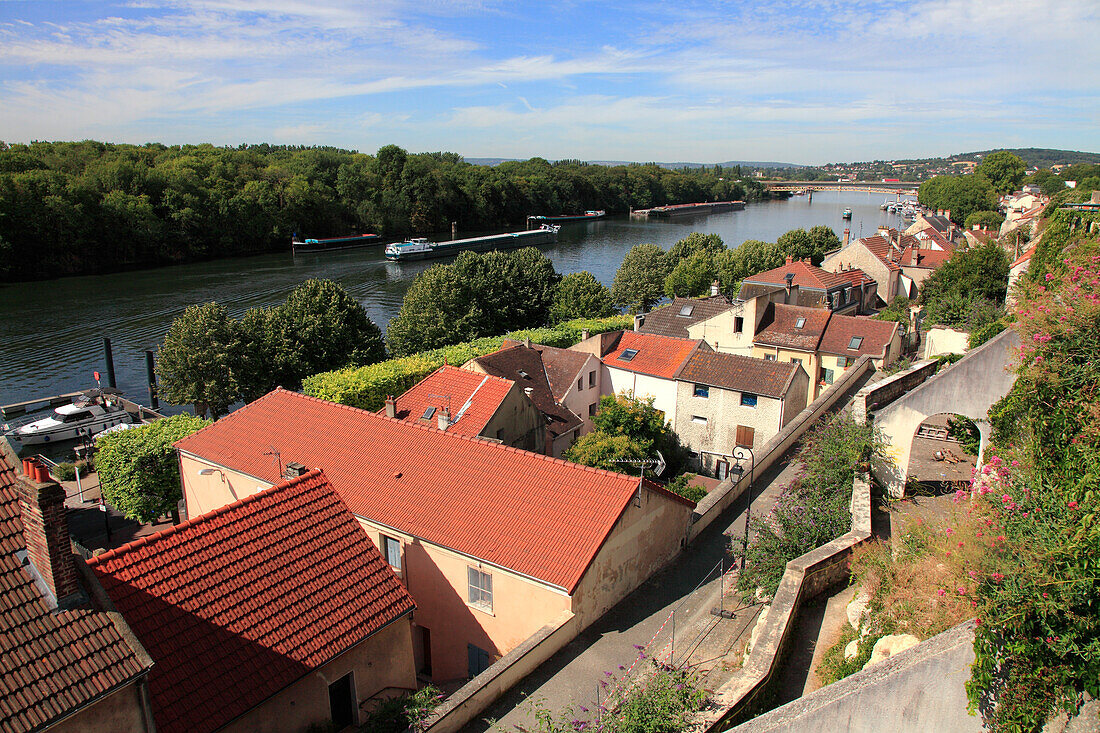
[(479, 592), (388, 544)]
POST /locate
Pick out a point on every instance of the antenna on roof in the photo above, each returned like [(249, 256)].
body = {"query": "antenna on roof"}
[(657, 464), (271, 451)]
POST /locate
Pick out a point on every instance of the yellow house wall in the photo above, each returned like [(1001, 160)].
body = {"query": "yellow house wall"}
[(810, 363), (578, 400), (383, 660), (642, 541), (437, 579), (119, 711), (518, 421)]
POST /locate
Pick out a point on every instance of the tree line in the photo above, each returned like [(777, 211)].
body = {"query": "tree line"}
[(87, 207)]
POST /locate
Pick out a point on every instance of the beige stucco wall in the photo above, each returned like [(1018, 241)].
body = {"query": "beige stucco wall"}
[(943, 340), (720, 331), (518, 422), (122, 710), (663, 391), (642, 541), (857, 255), (724, 413), (578, 400), (437, 579), (383, 660)]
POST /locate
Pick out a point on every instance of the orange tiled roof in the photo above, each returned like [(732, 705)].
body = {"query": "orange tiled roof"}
[(779, 327), (536, 515), (53, 661), (658, 356), (874, 336), (236, 604), (473, 399), (805, 276)]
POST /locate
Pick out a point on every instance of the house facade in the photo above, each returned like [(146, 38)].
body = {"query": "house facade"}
[(492, 542), (818, 287), (729, 400), (272, 613)]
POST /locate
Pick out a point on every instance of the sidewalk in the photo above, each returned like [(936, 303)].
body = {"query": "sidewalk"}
[(92, 527)]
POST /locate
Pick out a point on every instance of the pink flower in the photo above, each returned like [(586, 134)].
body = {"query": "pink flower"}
[(1046, 595), (1049, 276), (962, 591), (1005, 499), (1072, 505), (942, 592), (998, 578)]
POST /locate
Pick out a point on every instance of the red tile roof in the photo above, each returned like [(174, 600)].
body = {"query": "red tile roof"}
[(739, 373), (780, 327), (236, 604), (875, 336), (473, 399), (855, 277), (51, 661), (805, 276), (562, 366), (536, 515), (1026, 256), (658, 356), (930, 258), (528, 366)]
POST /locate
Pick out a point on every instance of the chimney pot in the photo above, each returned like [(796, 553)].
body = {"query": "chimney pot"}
[(714, 288), (584, 334), (789, 259), (443, 419), (46, 536), (294, 470), (639, 321), (527, 341), (391, 406), (847, 234)]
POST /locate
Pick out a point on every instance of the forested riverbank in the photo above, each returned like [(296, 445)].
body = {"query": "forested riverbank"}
[(70, 208)]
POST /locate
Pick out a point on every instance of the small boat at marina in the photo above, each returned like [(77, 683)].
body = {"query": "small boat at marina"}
[(93, 411), (419, 248), (324, 245), (586, 216), (847, 214)]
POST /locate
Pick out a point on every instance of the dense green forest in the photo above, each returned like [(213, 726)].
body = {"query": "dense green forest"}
[(86, 207)]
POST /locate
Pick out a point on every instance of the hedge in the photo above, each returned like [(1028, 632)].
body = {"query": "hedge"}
[(367, 387)]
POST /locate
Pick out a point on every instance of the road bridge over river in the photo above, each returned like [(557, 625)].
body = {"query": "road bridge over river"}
[(896, 187)]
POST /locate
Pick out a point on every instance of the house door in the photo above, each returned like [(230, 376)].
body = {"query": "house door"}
[(341, 701), (478, 660), (721, 470), (423, 650)]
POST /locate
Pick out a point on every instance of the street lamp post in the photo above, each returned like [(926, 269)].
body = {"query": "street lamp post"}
[(740, 453)]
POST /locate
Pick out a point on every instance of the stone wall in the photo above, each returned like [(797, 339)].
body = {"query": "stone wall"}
[(882, 393), (728, 491)]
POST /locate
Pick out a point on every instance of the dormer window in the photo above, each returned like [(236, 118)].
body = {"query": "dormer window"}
[(628, 354), (800, 322), (855, 342), (687, 310), (524, 374)]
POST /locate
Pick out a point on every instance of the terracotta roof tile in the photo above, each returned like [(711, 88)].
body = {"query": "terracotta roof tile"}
[(739, 373), (236, 604), (780, 327), (52, 662), (673, 319), (658, 356), (472, 398), (805, 276), (855, 277), (874, 336), (538, 516)]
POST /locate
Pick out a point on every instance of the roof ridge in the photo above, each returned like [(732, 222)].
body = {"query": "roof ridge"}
[(463, 371), (470, 438), (202, 518)]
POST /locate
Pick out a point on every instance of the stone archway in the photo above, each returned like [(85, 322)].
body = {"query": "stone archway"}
[(968, 388)]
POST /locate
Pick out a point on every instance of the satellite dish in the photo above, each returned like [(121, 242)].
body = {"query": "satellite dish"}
[(660, 467)]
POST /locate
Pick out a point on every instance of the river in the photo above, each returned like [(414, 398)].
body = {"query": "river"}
[(51, 332)]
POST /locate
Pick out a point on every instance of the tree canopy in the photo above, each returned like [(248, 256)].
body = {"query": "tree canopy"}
[(985, 220), (1004, 170), (197, 362), (961, 195), (969, 289), (581, 295), (692, 244), (811, 245), (627, 428), (79, 207), (479, 294), (640, 280), (139, 470)]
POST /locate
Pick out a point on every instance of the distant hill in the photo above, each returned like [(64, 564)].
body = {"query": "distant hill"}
[(1042, 157), (673, 166)]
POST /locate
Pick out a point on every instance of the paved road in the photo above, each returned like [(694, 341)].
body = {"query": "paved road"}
[(571, 677)]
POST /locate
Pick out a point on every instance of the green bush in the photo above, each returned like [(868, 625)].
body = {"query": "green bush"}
[(367, 387), (984, 333), (682, 485), (65, 471)]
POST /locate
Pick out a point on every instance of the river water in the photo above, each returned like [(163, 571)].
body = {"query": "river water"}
[(51, 333)]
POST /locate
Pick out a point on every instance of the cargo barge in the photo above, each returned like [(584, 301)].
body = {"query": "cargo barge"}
[(323, 245), (586, 216), (710, 207), (421, 249)]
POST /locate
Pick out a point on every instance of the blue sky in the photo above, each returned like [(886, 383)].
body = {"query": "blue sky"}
[(812, 81)]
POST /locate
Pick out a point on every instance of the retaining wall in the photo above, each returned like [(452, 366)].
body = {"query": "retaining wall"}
[(805, 577), (727, 492), (880, 394)]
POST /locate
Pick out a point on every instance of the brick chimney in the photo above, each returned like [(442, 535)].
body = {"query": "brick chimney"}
[(584, 334), (789, 259), (847, 234), (714, 288), (391, 406), (46, 536), (947, 213), (443, 419)]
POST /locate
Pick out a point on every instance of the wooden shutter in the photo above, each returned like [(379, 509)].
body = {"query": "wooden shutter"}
[(745, 435)]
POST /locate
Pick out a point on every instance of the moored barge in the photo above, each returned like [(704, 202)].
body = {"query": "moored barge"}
[(586, 216), (421, 249), (706, 207), (323, 245)]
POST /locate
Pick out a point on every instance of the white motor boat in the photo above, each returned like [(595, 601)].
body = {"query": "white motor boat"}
[(92, 412)]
